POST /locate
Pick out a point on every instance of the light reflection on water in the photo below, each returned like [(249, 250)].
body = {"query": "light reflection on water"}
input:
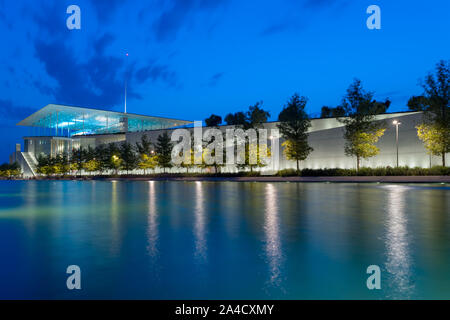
[(224, 240), (152, 230), (272, 231), (398, 241), (199, 226)]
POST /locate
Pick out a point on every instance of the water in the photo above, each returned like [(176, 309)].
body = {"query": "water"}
[(223, 240)]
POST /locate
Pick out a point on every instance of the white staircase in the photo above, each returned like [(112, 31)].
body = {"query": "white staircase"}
[(31, 162)]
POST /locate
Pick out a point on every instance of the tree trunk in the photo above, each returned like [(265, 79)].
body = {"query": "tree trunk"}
[(298, 168), (443, 159), (357, 163)]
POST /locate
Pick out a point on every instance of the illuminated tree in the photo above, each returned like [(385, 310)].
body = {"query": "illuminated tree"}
[(362, 144), (294, 125), (10, 170), (435, 129), (147, 162), (296, 150), (361, 129), (436, 139), (256, 156), (91, 165)]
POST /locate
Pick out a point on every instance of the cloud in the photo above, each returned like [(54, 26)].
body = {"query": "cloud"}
[(171, 20), (105, 8), (276, 28), (318, 3), (51, 18), (92, 83), (98, 81), (296, 19), (215, 79), (156, 72), (10, 111)]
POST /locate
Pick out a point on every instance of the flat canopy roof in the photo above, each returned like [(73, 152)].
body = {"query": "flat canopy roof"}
[(81, 121)]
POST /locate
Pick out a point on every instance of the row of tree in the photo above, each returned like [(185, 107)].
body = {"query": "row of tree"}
[(112, 157), (10, 170), (358, 111)]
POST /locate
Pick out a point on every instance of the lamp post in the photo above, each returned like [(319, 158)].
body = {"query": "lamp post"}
[(396, 123)]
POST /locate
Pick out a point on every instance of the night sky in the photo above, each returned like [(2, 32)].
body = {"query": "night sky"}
[(190, 58)]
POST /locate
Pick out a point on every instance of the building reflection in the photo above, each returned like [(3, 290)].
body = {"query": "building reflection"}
[(399, 262), (272, 234), (199, 227), (152, 230)]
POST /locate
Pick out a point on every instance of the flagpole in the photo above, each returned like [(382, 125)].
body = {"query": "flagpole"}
[(126, 55)]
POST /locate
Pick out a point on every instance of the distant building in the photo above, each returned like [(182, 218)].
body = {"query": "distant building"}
[(59, 128)]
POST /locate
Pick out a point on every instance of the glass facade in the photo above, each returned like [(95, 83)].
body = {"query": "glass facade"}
[(68, 121)]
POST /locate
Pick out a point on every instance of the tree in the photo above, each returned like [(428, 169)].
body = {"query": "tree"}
[(257, 152), (77, 158), (213, 121), (212, 154), (147, 162), (145, 147), (236, 119), (42, 164), (361, 129), (61, 164), (294, 125), (296, 151), (256, 116), (128, 157), (363, 144), (434, 102), (417, 103), (10, 170), (435, 139), (92, 165), (112, 158), (328, 112), (164, 151), (146, 159), (103, 157)]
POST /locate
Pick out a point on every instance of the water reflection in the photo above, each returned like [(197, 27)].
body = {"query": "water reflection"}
[(152, 231), (272, 234), (199, 228), (397, 245), (114, 218)]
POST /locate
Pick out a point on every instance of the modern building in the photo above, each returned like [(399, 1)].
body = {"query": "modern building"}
[(57, 128)]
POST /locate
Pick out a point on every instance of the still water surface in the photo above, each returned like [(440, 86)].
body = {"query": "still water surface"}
[(223, 240)]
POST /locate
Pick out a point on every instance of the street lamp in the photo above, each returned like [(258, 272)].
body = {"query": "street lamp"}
[(396, 124)]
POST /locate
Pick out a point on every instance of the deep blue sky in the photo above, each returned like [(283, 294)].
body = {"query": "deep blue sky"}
[(190, 58)]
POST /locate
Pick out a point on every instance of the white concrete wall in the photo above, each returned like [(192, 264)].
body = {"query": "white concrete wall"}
[(326, 137)]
